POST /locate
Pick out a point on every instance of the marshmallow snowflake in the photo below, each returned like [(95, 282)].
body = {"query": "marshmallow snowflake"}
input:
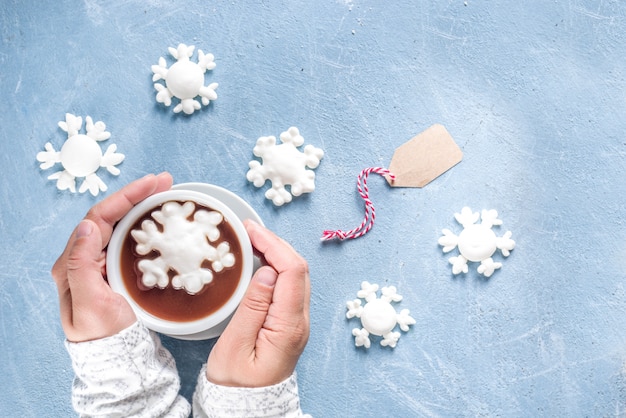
[(284, 165), (477, 242), (378, 316), (183, 246), (81, 156), (184, 80)]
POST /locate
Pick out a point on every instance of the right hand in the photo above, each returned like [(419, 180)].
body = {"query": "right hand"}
[(267, 334)]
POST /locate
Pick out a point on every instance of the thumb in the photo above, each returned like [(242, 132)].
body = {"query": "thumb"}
[(84, 263), (252, 311)]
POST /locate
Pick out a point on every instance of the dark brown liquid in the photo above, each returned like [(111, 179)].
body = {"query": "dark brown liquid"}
[(178, 305)]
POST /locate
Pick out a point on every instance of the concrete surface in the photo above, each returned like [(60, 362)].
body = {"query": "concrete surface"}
[(533, 92)]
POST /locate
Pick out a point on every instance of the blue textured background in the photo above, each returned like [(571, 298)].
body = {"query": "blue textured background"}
[(534, 93)]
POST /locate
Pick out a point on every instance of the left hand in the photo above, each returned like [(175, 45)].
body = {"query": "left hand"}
[(89, 308)]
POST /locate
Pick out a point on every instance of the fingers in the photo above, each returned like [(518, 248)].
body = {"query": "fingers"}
[(82, 277), (278, 253), (84, 264), (89, 308), (292, 289), (243, 329), (108, 212)]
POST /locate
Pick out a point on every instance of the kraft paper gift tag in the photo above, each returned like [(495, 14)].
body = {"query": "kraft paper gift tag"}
[(424, 158)]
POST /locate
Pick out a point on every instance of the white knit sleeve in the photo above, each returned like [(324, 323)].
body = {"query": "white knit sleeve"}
[(127, 375), (279, 400)]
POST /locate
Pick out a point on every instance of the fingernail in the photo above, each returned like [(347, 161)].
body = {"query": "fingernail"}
[(84, 229), (266, 275), (250, 224)]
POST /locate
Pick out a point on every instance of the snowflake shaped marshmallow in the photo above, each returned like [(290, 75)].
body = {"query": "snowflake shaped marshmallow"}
[(378, 316), (184, 79), (183, 246), (284, 165), (477, 242), (81, 156)]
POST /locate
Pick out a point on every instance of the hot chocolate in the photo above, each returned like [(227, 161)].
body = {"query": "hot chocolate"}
[(183, 267)]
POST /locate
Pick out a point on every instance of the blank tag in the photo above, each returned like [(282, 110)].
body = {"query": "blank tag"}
[(424, 158)]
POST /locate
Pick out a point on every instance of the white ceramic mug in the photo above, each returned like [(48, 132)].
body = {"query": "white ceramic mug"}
[(114, 258)]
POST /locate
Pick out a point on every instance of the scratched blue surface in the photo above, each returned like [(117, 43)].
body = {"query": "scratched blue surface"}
[(533, 92)]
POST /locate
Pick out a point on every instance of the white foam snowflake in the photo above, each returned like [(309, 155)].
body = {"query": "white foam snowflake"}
[(378, 316), (81, 156), (284, 165), (477, 242), (183, 246), (184, 79)]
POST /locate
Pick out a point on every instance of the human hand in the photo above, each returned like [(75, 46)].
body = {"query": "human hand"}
[(263, 342), (89, 308)]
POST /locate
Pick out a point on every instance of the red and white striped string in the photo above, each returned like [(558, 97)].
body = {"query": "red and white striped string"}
[(370, 212)]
